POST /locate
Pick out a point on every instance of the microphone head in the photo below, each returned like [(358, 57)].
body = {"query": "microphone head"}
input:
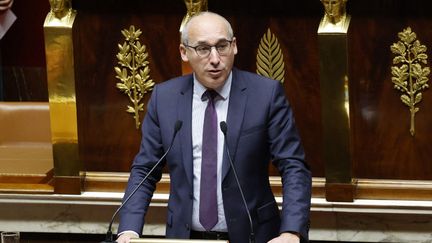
[(223, 127), (178, 125)]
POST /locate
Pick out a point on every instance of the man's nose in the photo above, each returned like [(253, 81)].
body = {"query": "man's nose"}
[(214, 55)]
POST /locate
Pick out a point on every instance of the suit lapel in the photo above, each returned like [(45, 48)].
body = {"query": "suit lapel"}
[(185, 114), (236, 110)]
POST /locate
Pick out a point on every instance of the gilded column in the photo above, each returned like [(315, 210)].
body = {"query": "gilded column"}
[(62, 100), (332, 38)]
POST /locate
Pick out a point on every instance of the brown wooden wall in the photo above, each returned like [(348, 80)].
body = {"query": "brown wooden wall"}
[(23, 54), (108, 139), (381, 144), (107, 136)]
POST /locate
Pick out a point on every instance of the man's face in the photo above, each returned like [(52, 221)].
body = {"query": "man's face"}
[(333, 8), (57, 5), (212, 70)]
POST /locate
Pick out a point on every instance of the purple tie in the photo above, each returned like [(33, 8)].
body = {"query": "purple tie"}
[(208, 215)]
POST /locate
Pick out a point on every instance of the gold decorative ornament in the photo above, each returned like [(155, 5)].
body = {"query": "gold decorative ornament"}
[(270, 61), (61, 13), (335, 19), (133, 71), (60, 63), (333, 42), (193, 7), (410, 77)]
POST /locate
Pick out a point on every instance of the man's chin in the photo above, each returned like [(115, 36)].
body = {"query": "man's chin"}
[(214, 83)]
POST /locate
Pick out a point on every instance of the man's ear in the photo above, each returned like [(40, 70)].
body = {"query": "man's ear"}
[(234, 45), (183, 53)]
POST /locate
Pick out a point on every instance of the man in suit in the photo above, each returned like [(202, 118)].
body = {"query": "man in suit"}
[(260, 129)]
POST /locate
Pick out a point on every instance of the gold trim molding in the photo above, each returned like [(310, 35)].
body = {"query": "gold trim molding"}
[(133, 72), (410, 77), (270, 61), (379, 189)]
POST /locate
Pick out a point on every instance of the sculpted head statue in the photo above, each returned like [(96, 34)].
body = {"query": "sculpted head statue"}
[(193, 7), (335, 10), (60, 8)]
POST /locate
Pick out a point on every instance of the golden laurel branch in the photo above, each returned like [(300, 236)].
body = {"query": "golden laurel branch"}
[(410, 77), (270, 61), (133, 71)]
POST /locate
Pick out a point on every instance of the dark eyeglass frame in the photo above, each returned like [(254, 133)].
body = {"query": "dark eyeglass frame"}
[(208, 48)]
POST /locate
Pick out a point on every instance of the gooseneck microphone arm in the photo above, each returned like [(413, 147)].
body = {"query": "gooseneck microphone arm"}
[(223, 127), (109, 236)]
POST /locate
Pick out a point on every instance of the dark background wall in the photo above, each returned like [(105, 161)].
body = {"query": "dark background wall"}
[(382, 147), (23, 53)]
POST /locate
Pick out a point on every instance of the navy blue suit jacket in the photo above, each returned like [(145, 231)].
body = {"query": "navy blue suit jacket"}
[(260, 129)]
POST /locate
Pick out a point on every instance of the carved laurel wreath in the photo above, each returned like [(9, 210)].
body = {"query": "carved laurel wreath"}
[(270, 61), (133, 72), (410, 77)]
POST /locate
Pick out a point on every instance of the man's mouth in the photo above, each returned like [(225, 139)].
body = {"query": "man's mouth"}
[(214, 72)]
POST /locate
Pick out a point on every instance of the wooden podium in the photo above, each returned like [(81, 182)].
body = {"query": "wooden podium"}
[(149, 240)]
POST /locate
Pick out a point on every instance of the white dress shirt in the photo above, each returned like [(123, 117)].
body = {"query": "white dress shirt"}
[(198, 111)]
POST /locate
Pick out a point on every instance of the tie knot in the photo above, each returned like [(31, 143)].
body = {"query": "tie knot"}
[(210, 94)]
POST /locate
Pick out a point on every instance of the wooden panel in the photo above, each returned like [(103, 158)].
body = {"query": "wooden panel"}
[(22, 83), (394, 189), (295, 27), (23, 44), (116, 182), (22, 54), (108, 139), (26, 188), (365, 188), (382, 145), (301, 84), (381, 149), (27, 183)]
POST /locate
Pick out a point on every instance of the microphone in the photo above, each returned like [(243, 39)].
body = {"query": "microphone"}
[(223, 127), (109, 236)]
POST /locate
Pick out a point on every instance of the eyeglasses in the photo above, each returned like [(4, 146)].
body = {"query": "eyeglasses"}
[(204, 50)]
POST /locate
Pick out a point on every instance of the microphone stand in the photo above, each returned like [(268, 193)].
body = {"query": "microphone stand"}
[(109, 235), (223, 127)]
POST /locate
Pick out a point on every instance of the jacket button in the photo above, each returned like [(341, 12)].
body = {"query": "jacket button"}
[(187, 226), (191, 195)]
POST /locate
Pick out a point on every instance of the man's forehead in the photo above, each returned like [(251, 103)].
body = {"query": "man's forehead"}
[(206, 22), (208, 32), (211, 42)]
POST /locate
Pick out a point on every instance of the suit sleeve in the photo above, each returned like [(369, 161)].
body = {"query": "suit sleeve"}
[(151, 149), (288, 156)]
